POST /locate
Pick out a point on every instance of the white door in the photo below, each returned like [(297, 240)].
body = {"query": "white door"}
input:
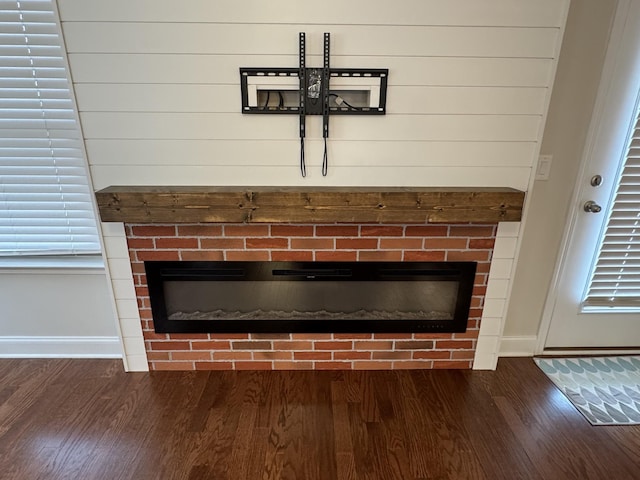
[(572, 324)]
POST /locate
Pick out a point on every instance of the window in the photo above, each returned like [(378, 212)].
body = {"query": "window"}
[(45, 200), (615, 281)]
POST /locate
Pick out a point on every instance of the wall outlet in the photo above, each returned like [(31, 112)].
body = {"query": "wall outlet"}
[(544, 167)]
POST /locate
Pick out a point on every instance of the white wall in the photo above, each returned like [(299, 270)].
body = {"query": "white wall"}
[(56, 312), (158, 86), (575, 88)]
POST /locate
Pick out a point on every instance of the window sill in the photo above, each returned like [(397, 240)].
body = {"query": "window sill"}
[(70, 264)]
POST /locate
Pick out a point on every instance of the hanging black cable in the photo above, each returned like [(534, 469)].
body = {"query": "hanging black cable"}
[(325, 159), (266, 103), (303, 166)]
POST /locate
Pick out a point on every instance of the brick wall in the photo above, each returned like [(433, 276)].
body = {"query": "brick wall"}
[(284, 242)]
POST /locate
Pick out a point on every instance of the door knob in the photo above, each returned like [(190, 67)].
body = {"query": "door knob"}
[(592, 207)]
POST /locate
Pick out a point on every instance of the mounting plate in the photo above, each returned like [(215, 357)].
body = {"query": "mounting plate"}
[(276, 91)]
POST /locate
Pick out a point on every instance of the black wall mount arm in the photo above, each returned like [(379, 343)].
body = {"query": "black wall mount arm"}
[(325, 103), (302, 79)]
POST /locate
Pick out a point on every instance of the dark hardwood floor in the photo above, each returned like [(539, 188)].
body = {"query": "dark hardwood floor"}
[(87, 419)]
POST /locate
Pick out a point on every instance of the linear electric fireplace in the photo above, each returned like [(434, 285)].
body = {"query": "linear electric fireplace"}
[(309, 297)]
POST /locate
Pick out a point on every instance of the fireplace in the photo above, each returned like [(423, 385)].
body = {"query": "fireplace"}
[(310, 297), (319, 244), (274, 224)]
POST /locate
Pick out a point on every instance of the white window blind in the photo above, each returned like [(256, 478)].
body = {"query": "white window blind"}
[(45, 200), (615, 280)]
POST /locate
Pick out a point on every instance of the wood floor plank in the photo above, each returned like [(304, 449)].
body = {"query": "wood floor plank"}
[(392, 441), (319, 429), (27, 391), (493, 441), (68, 419), (286, 436), (340, 413), (451, 452), (243, 448), (346, 466)]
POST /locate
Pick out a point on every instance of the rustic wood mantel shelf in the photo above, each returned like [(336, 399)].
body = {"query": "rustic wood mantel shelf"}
[(182, 204)]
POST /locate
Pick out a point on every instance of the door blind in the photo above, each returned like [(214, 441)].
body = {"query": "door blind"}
[(615, 280), (45, 200)]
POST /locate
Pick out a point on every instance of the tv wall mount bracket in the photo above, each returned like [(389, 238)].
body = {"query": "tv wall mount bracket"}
[(306, 91)]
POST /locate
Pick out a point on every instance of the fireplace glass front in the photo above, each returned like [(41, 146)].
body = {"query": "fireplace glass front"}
[(345, 297)]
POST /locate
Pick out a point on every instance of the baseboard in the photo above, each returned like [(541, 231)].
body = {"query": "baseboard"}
[(60, 347), (520, 346), (590, 352)]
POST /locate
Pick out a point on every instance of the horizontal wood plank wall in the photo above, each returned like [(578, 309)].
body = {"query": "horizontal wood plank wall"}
[(158, 86)]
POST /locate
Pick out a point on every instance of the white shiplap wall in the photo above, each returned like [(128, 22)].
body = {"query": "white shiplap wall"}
[(157, 85)]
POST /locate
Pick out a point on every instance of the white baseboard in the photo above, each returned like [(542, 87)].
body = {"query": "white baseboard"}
[(485, 361), (60, 347), (590, 352), (520, 346)]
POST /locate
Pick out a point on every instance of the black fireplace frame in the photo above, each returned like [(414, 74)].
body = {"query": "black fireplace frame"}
[(159, 271)]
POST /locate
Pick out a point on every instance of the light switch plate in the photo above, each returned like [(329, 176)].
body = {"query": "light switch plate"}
[(544, 167)]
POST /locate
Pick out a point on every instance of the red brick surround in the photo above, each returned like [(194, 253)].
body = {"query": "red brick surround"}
[(285, 242)]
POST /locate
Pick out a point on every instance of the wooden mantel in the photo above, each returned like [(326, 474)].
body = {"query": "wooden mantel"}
[(181, 204)]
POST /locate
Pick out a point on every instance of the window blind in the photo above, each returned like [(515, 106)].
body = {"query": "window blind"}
[(615, 281), (45, 199)]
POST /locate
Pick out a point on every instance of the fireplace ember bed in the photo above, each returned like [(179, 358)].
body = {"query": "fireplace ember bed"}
[(310, 297)]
